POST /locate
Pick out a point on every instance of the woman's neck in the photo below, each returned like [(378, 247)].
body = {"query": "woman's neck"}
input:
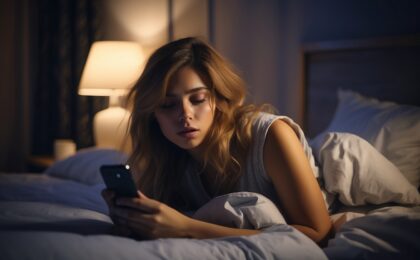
[(197, 154)]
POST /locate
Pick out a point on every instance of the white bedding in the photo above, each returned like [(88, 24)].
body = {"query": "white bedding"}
[(358, 174), (42, 230), (390, 232), (44, 188), (369, 159), (43, 217), (281, 243)]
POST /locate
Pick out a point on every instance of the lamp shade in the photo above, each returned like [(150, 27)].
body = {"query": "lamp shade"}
[(111, 69)]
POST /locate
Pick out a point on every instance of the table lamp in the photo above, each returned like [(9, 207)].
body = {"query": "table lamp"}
[(111, 69)]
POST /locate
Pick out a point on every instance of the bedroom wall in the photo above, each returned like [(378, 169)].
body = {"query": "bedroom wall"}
[(263, 38), (249, 34), (332, 20), (328, 20), (153, 23)]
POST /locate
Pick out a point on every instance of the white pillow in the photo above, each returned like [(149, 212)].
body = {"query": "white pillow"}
[(241, 210), (84, 165), (358, 173), (392, 129)]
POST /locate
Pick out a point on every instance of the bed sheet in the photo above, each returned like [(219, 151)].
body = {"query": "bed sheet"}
[(44, 217), (376, 232), (47, 217)]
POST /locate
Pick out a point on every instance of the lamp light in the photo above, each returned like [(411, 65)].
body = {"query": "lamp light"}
[(111, 69)]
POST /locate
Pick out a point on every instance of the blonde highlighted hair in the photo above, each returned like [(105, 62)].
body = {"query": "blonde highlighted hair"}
[(160, 165)]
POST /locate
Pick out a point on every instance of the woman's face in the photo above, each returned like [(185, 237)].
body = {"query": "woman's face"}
[(186, 114)]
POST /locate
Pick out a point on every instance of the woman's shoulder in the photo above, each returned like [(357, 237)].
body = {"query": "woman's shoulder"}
[(266, 116), (263, 120), (264, 123)]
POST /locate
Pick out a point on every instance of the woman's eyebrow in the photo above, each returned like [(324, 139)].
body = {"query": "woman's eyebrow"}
[(190, 91)]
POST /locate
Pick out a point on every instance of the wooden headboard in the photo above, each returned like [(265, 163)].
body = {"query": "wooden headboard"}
[(385, 68)]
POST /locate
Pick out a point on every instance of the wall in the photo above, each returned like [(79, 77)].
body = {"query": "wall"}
[(249, 34), (263, 38), (153, 23), (190, 18), (331, 20), (328, 20), (143, 21)]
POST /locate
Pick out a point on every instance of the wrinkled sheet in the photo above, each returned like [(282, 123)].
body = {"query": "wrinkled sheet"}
[(359, 174), (43, 217), (390, 232), (39, 187)]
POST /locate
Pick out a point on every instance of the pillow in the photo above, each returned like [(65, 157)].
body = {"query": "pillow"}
[(241, 210), (392, 129), (84, 165), (358, 173)]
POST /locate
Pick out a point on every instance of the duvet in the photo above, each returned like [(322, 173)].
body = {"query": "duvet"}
[(44, 217)]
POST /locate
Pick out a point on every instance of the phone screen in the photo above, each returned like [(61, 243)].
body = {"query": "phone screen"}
[(119, 179)]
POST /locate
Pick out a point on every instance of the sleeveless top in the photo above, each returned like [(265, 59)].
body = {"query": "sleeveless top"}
[(254, 177)]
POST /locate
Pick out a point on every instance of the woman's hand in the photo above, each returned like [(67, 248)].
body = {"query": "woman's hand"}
[(146, 217), (118, 229)]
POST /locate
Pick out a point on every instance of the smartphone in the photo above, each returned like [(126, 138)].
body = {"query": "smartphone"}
[(119, 179)]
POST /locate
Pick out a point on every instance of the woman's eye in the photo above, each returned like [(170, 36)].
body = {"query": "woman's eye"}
[(198, 99)]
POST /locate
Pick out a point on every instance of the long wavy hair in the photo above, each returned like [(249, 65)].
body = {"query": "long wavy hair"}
[(160, 165)]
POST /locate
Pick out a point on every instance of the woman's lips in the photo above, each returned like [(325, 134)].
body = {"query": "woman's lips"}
[(188, 133)]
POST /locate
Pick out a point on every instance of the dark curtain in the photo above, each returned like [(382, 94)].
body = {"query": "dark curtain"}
[(66, 30)]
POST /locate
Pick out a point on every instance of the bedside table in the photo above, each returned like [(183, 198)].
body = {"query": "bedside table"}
[(38, 163)]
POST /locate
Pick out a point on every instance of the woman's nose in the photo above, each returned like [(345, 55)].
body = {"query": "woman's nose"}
[(186, 111)]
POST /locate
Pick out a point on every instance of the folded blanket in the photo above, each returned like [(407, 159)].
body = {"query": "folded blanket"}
[(241, 210), (358, 173)]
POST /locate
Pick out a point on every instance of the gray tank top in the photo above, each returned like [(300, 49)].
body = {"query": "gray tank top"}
[(254, 177)]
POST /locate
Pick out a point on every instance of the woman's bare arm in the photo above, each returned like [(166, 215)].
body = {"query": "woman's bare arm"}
[(200, 229), (299, 194), (153, 219)]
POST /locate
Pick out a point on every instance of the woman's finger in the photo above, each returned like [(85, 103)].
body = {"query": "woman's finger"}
[(108, 196), (141, 230), (128, 216), (142, 203), (118, 220), (120, 230)]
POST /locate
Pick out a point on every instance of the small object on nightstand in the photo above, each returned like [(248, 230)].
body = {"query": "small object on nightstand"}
[(63, 148)]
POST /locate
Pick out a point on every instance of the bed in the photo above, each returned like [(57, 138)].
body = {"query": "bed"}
[(60, 214), (362, 117), (366, 150)]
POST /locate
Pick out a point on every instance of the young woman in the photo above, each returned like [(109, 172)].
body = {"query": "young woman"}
[(194, 139)]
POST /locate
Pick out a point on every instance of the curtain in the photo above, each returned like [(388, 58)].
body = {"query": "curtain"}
[(14, 84), (66, 30)]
